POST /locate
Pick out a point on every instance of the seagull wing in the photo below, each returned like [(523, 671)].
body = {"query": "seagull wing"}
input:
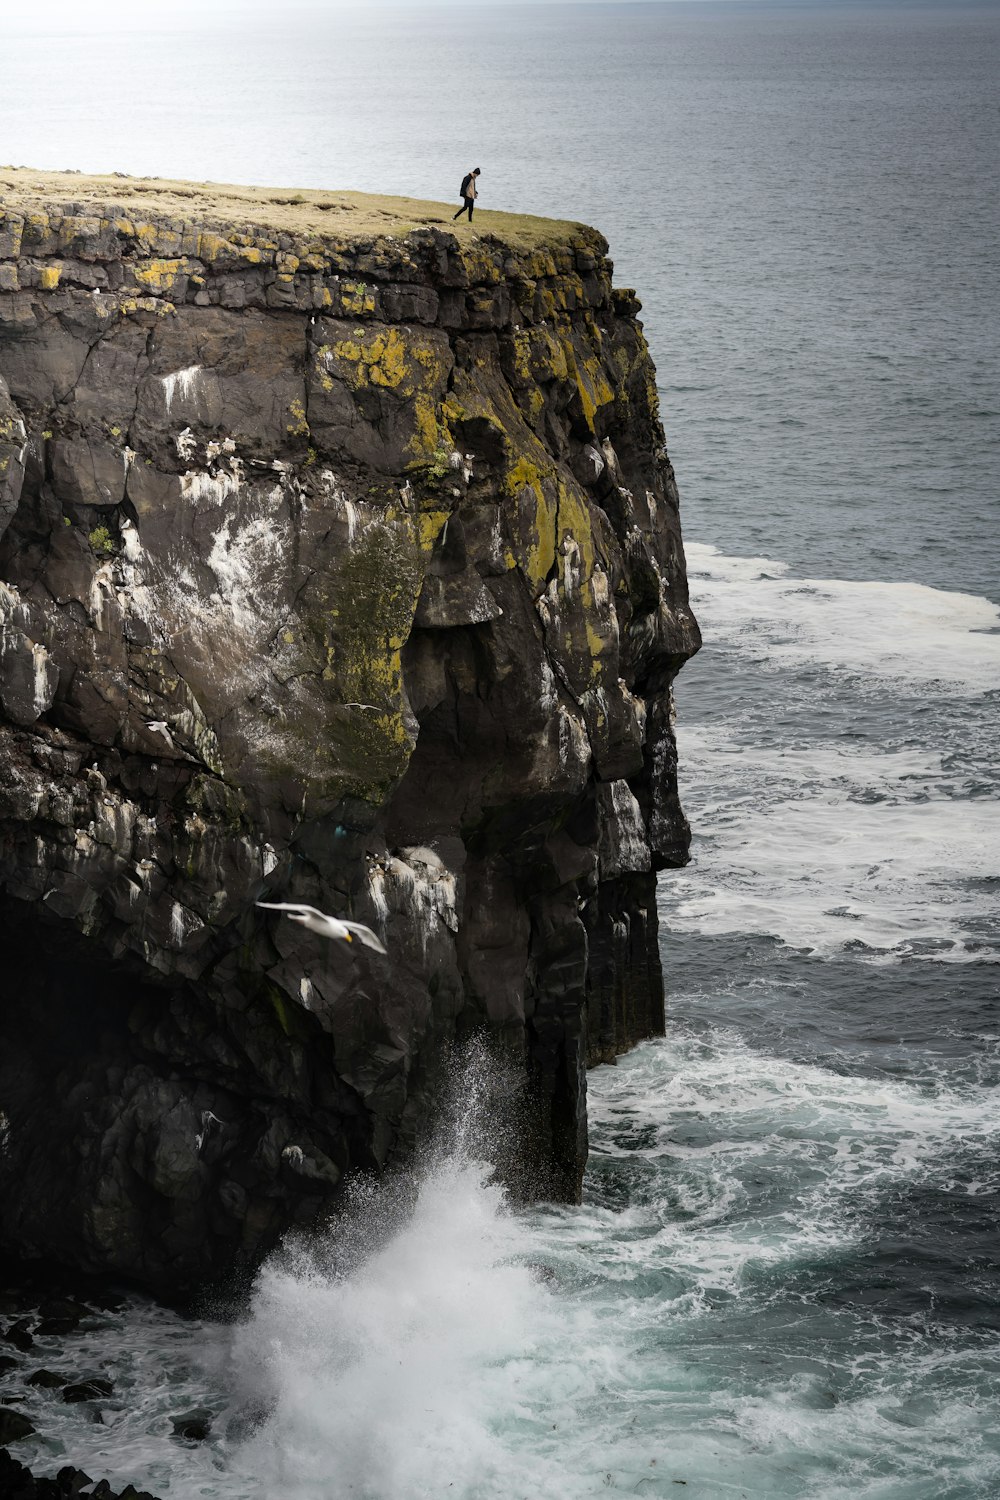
[(294, 907), (322, 923), (365, 935)]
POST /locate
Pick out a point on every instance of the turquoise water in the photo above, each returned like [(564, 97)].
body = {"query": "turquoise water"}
[(784, 1277)]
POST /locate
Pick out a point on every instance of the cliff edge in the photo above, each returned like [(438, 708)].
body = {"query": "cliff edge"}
[(340, 563)]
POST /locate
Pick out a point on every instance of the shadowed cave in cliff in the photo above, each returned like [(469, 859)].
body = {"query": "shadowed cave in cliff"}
[(121, 1148), (66, 1047)]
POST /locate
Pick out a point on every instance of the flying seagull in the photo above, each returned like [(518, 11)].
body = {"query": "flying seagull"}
[(328, 927)]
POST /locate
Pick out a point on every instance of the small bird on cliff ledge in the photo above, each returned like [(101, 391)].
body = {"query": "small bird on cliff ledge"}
[(328, 927)]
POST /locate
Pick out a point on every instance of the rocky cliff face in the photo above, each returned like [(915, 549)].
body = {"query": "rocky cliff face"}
[(341, 567)]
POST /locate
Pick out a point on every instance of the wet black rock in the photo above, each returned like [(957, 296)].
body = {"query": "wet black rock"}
[(48, 1380), (88, 1390), (105, 1302), (64, 1309), (18, 1483), (72, 1481), (14, 1425), (8, 1362), (19, 1334)]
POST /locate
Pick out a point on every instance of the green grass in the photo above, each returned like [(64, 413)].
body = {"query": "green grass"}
[(301, 211)]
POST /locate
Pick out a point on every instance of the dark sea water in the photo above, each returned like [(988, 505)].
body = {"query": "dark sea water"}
[(785, 1278)]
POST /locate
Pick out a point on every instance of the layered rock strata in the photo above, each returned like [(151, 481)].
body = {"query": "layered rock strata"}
[(340, 567)]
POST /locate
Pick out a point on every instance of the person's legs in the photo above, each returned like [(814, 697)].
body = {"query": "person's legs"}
[(461, 211), (472, 204)]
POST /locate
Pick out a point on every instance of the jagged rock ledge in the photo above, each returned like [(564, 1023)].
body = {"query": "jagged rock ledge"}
[(18, 1483), (340, 562)]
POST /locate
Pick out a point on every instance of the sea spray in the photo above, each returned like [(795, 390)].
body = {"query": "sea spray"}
[(382, 1353), (378, 1382)]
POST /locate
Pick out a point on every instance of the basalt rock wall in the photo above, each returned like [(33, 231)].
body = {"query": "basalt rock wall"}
[(336, 568)]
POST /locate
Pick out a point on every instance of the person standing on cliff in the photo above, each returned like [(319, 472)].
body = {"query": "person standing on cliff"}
[(468, 191)]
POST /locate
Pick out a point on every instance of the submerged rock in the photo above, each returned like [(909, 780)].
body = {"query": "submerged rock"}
[(93, 1389), (335, 566)]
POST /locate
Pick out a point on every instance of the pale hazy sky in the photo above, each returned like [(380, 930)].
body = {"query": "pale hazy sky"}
[(90, 15), (86, 12), (73, 17)]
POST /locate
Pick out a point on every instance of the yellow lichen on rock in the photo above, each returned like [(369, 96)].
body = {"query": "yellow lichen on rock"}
[(146, 234), (321, 362), (540, 356), (356, 299), (299, 425), (479, 264), (212, 247), (586, 369), (374, 357), (164, 278), (405, 364), (573, 520), (429, 433), (525, 483), (430, 524)]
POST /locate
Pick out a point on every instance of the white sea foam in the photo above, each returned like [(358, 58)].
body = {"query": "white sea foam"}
[(830, 847), (829, 843), (719, 1118), (902, 632)]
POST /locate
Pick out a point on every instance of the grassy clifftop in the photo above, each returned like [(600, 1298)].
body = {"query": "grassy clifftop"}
[(303, 211)]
